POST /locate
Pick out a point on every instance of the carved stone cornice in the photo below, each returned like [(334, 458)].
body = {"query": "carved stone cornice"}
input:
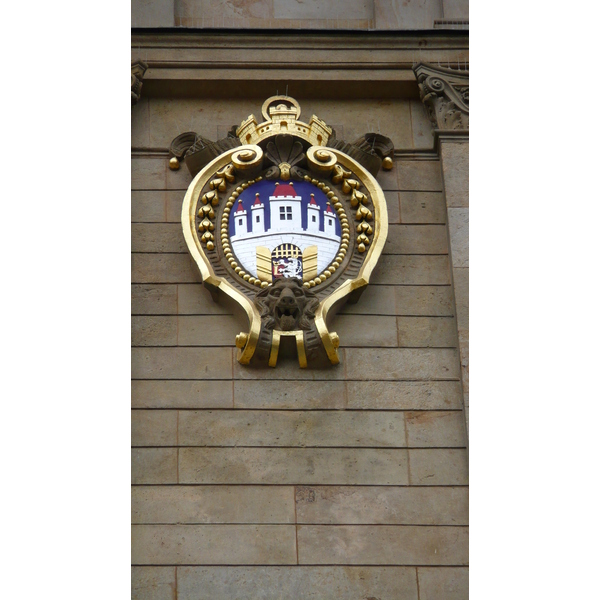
[(445, 93), (138, 68)]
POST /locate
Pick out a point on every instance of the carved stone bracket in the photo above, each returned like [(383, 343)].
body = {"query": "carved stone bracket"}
[(138, 68), (445, 93)]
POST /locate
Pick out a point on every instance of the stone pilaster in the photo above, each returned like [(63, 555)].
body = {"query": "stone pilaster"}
[(445, 93)]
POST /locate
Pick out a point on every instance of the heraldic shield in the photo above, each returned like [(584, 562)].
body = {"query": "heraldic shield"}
[(287, 222)]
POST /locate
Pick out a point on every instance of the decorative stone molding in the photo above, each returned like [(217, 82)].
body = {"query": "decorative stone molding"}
[(138, 68), (445, 93)]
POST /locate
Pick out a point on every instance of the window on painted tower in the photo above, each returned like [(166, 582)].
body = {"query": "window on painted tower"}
[(239, 221), (314, 219), (283, 211), (258, 218), (330, 222)]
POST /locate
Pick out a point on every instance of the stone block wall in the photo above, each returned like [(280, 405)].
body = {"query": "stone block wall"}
[(301, 14), (344, 483)]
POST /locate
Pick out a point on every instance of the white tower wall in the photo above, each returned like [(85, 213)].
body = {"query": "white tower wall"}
[(329, 224), (241, 223), (258, 219), (287, 202), (313, 218)]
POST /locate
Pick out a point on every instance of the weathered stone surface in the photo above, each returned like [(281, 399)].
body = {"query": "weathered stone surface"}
[(463, 338), (365, 330), (154, 428), (148, 173), (331, 505), (152, 13), (458, 227), (358, 115), (291, 428), (287, 368), (461, 290), (421, 332), (318, 9), (416, 239), (449, 583), (435, 429), (148, 206), (153, 583), (419, 175), (167, 117), (388, 180), (421, 300), (401, 395), (399, 14), (212, 504), (195, 299), (382, 545), (393, 204), (213, 330), (217, 330), (403, 300), (456, 9), (292, 395), (154, 299), (181, 394), (154, 465), (213, 544), (153, 331), (181, 363), (411, 270), (402, 363), (296, 583), (301, 466), (422, 207), (375, 300), (162, 268), (438, 467), (157, 237), (421, 126), (219, 9), (455, 165)]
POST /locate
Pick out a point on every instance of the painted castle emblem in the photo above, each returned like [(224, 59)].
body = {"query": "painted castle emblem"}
[(284, 229), (288, 222)]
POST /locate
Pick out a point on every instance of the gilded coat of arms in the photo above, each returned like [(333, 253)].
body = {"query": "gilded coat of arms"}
[(287, 222)]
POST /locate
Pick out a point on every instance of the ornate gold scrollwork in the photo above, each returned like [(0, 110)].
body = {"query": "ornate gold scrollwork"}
[(358, 200), (206, 224), (247, 159), (320, 161)]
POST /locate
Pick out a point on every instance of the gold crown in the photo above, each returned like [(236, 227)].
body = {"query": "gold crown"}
[(281, 115)]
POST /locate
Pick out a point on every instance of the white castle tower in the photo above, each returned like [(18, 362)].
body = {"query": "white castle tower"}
[(258, 216), (241, 220), (329, 222), (313, 216), (286, 205)]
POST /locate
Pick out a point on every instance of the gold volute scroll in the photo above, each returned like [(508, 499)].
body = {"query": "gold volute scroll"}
[(320, 161)]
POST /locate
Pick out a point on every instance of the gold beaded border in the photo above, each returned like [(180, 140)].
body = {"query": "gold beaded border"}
[(326, 274)]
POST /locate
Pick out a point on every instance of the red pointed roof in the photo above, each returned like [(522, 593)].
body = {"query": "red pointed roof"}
[(257, 201), (285, 189), (312, 200), (240, 208), (329, 209)]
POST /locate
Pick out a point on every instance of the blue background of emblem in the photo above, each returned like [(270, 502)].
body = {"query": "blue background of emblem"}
[(267, 188)]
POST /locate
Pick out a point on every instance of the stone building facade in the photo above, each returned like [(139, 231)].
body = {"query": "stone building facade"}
[(348, 482)]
